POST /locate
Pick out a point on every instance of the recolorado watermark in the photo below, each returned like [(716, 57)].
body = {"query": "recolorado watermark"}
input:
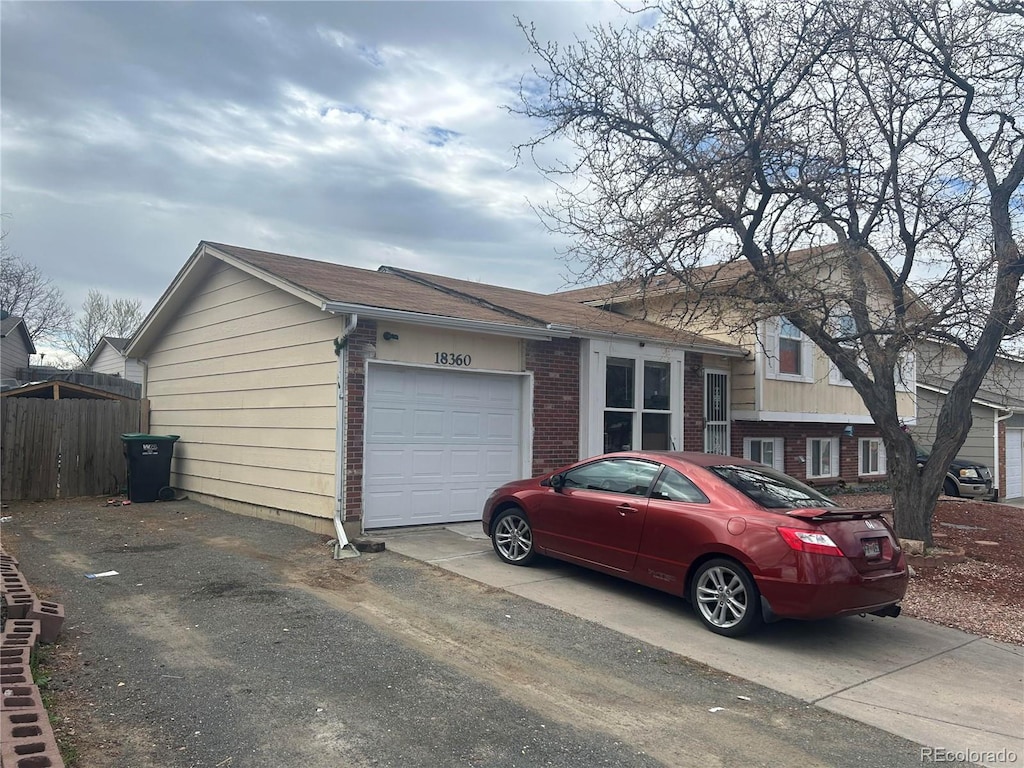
[(943, 755)]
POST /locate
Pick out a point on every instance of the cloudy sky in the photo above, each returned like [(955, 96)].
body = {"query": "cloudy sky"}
[(364, 133)]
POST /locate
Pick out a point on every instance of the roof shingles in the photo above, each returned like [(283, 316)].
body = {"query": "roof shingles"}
[(405, 290)]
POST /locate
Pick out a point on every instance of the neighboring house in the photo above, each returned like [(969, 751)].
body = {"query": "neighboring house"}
[(784, 403), (303, 389), (15, 346), (108, 357), (996, 437)]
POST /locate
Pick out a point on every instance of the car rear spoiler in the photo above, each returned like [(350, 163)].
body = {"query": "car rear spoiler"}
[(818, 514)]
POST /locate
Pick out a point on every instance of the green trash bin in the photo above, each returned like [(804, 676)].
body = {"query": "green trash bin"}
[(149, 466)]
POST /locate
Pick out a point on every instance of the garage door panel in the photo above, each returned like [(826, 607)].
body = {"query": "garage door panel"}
[(426, 466), (437, 443), (1014, 464), (383, 466), (429, 386), (466, 425), (500, 463), (430, 425), (502, 426), (463, 502), (383, 423)]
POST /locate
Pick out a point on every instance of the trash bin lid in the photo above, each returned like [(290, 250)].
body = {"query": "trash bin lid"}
[(139, 436)]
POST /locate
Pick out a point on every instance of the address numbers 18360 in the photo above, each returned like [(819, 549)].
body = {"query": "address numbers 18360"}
[(450, 358)]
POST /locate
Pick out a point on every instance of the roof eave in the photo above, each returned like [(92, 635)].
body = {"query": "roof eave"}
[(707, 349), (543, 333)]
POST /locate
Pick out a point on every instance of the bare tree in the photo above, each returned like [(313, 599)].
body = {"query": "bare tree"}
[(101, 317), (27, 293), (881, 140)]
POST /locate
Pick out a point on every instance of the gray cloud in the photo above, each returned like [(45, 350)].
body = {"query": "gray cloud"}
[(359, 132)]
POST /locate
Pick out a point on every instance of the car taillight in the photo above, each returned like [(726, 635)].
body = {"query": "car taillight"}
[(809, 541)]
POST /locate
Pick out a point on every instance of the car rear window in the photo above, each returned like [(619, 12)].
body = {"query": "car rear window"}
[(771, 488)]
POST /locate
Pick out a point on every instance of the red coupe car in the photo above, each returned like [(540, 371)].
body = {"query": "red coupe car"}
[(742, 541)]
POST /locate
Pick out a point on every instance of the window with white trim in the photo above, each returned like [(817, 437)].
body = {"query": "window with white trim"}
[(790, 345), (872, 456), (637, 410), (822, 457), (767, 450), (788, 353)]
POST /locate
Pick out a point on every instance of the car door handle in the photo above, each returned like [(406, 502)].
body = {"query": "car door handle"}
[(626, 509)]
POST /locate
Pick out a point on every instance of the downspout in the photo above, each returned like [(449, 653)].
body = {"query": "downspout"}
[(342, 547), (144, 394), (995, 470)]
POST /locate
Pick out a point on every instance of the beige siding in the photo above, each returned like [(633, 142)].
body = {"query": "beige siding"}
[(420, 345), (246, 374), (818, 397)]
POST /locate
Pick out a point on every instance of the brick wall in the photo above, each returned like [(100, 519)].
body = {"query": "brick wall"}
[(361, 340), (795, 436), (693, 403), (556, 402)]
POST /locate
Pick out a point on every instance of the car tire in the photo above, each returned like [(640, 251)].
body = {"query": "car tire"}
[(725, 598), (949, 487), (512, 537)]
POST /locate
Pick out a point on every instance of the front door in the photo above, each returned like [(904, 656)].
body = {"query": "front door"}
[(716, 412)]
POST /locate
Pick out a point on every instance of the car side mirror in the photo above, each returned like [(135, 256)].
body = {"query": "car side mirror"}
[(557, 482)]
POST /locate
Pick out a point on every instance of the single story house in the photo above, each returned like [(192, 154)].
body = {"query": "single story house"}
[(108, 357), (314, 392)]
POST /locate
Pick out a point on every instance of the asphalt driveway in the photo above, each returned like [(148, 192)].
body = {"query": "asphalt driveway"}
[(226, 641)]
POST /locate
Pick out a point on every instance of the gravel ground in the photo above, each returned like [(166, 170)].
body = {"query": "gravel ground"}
[(981, 595), (229, 642)]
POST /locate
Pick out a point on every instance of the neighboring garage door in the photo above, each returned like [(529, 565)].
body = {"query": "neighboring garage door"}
[(437, 443), (1014, 462)]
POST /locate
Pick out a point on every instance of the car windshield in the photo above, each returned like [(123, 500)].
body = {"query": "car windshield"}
[(771, 488)]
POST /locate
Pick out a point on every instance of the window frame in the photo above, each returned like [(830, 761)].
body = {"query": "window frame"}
[(639, 408), (778, 451), (772, 353), (882, 467), (834, 465)]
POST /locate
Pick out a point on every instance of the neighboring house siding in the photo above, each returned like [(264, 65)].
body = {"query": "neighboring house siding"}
[(980, 443), (246, 374), (112, 362), (109, 361), (13, 355)]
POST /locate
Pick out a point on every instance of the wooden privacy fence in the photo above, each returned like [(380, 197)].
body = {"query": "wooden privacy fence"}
[(55, 449)]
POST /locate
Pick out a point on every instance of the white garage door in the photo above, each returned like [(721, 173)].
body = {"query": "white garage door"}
[(1014, 462), (437, 443)]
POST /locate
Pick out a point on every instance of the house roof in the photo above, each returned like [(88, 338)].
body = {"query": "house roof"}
[(729, 274), (116, 342), (988, 398), (403, 295), (11, 324)]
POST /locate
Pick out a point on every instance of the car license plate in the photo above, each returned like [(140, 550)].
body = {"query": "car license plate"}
[(872, 548)]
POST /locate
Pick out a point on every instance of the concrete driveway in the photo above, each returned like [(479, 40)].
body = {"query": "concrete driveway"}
[(939, 687)]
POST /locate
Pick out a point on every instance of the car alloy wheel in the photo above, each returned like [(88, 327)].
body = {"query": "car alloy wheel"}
[(513, 537), (726, 598)]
